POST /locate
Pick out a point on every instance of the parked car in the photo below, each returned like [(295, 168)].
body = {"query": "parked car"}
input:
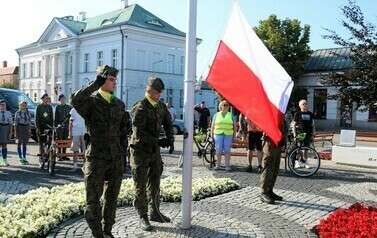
[(178, 127), (13, 98)]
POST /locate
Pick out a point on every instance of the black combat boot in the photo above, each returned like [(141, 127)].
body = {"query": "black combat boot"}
[(276, 197), (266, 198), (108, 235), (158, 217), (144, 223)]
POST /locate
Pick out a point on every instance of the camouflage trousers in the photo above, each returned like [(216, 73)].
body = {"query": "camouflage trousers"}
[(102, 177), (146, 173), (270, 164)]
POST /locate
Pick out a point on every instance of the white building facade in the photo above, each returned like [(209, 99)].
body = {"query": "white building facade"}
[(328, 113), (131, 39)]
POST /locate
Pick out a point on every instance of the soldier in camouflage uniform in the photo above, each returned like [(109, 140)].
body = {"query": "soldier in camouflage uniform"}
[(148, 116), (271, 164), (43, 121), (62, 118), (107, 124)]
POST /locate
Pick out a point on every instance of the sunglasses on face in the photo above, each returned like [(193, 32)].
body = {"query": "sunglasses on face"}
[(226, 105)]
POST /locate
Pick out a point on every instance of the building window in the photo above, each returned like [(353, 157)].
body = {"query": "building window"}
[(320, 103), (86, 63), (182, 64), (373, 113), (35, 98), (31, 69), (99, 58), (39, 68), (171, 63), (169, 96), (49, 62), (156, 62), (141, 59), (181, 95), (114, 58), (69, 64), (24, 70)]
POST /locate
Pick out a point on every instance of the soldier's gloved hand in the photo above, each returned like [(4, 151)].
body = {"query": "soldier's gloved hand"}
[(171, 149), (163, 142), (101, 74)]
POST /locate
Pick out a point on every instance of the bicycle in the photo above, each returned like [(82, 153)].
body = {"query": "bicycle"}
[(300, 164), (49, 150), (205, 146)]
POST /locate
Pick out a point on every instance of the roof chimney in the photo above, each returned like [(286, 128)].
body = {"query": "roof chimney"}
[(124, 3), (4, 64), (82, 16)]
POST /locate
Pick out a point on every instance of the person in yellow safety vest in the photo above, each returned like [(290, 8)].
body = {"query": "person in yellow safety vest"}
[(223, 130)]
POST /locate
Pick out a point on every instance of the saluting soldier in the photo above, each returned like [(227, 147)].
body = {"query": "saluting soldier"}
[(107, 124), (6, 123), (62, 118), (148, 116), (43, 121)]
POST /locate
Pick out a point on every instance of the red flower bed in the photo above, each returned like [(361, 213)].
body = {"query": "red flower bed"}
[(355, 221), (325, 155)]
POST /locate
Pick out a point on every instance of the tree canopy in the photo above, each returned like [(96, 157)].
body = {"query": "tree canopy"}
[(357, 84), (288, 42)]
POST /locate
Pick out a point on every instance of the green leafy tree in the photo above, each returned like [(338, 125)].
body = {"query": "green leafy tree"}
[(288, 42), (9, 85), (357, 84)]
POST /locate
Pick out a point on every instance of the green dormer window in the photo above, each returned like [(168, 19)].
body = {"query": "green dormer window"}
[(155, 22)]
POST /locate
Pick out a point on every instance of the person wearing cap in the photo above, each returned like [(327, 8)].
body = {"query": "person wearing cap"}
[(106, 120), (43, 121), (22, 124), (204, 116), (149, 115), (62, 118), (6, 123)]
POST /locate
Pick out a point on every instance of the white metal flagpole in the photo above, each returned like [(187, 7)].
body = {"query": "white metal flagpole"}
[(190, 80)]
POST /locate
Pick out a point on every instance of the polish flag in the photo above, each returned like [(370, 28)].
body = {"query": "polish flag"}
[(249, 77)]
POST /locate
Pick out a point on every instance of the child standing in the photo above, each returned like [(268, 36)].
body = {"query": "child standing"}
[(6, 124), (22, 126)]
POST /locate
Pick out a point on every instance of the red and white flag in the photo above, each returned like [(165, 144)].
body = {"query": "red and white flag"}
[(249, 77)]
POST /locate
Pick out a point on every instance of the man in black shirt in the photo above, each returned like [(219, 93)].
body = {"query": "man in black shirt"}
[(204, 116), (303, 120)]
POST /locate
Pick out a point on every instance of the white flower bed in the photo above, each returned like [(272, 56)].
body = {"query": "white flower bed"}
[(35, 213)]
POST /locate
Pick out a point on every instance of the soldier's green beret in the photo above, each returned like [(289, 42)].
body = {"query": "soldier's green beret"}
[(107, 70), (156, 83)]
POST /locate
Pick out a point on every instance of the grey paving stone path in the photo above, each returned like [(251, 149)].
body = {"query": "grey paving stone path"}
[(236, 214)]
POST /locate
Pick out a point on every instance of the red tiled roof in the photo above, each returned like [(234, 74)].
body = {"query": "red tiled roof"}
[(8, 70)]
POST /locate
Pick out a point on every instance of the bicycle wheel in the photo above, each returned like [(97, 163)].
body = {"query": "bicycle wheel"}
[(52, 162), (301, 165), (42, 159), (180, 161), (209, 154)]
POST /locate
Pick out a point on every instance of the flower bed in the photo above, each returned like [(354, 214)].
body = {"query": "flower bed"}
[(35, 213), (325, 155), (355, 221)]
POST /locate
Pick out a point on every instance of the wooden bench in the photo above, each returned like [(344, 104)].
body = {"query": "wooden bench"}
[(324, 136), (61, 144), (366, 136)]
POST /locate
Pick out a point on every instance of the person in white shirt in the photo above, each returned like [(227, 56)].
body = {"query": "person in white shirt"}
[(172, 111), (76, 133)]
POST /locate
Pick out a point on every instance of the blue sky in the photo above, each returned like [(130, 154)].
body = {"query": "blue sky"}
[(25, 20)]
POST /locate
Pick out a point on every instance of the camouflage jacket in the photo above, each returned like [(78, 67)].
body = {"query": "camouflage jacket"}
[(147, 122), (62, 114), (107, 123)]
